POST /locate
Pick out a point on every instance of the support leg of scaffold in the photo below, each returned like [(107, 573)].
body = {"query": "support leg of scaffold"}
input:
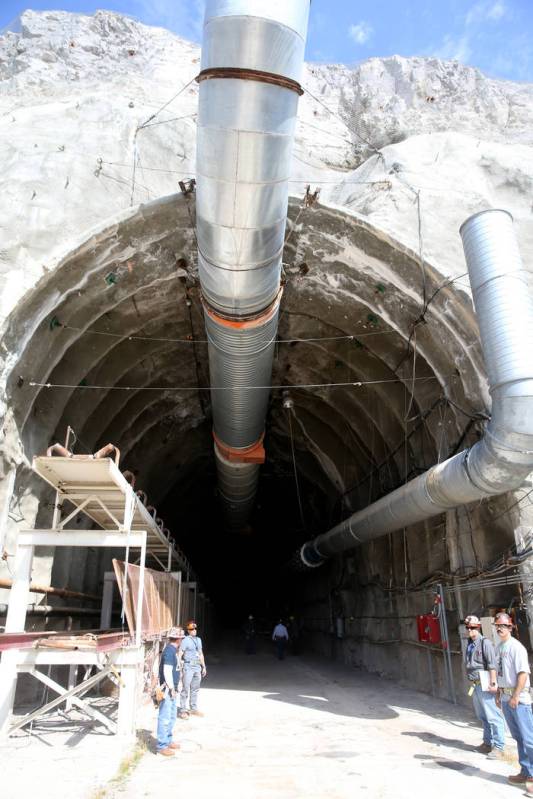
[(8, 685), (15, 621), (129, 695), (72, 678)]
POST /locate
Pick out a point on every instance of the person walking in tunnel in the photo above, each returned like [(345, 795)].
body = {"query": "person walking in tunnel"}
[(169, 680), (249, 635), (515, 698), (280, 636), (192, 666), (480, 656)]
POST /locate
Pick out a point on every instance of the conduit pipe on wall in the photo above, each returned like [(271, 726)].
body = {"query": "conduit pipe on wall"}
[(252, 58), (503, 458)]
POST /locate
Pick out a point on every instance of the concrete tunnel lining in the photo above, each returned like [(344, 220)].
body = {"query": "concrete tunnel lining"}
[(369, 286)]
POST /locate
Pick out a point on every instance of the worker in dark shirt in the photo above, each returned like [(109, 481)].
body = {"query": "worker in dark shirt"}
[(169, 677), (480, 662)]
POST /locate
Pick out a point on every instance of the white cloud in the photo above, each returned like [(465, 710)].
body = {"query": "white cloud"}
[(184, 17), (459, 46), (361, 32), (454, 48), (497, 11), (486, 10)]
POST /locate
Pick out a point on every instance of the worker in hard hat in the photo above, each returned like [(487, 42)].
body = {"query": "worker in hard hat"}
[(515, 698), (249, 635), (192, 665), (480, 662), (169, 677)]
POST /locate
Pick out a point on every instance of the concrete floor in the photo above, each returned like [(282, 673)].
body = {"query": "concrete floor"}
[(308, 728), (304, 728)]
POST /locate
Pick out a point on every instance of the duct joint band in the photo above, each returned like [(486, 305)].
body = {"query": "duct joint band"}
[(250, 74), (238, 268), (255, 453), (469, 474), (243, 322)]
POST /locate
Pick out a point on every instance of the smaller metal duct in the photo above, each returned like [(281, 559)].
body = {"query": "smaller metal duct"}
[(504, 457)]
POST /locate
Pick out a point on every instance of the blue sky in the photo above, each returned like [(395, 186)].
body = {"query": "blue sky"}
[(494, 35)]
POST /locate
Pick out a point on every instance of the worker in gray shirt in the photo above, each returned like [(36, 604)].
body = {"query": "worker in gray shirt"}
[(192, 666), (515, 697), (481, 655)]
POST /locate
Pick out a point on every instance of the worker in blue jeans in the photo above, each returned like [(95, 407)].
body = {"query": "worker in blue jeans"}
[(515, 698), (193, 669), (480, 656), (169, 678)]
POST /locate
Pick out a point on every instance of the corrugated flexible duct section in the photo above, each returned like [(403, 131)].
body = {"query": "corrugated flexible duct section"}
[(252, 57), (503, 458)]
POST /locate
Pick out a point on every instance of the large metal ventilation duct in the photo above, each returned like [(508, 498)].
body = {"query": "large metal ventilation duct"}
[(252, 57), (503, 458)]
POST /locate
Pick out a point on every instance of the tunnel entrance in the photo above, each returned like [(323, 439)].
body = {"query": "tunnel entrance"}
[(377, 376)]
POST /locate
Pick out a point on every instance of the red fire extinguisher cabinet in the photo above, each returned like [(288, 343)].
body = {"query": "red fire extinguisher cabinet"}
[(428, 628)]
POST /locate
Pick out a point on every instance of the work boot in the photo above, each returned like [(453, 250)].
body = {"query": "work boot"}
[(183, 714), (168, 752), (173, 745), (496, 754), (518, 779), (484, 748), (196, 713)]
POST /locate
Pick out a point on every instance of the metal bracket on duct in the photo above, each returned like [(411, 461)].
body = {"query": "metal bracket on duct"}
[(252, 57), (503, 458)]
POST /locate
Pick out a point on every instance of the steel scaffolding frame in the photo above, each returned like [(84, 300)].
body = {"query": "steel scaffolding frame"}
[(96, 488)]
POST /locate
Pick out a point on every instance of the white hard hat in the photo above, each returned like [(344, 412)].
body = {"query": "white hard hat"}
[(472, 621)]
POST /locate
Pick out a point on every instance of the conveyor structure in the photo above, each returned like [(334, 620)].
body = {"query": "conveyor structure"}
[(94, 486)]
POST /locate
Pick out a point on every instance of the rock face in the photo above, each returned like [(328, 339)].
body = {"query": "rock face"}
[(40, 51), (79, 143), (390, 99)]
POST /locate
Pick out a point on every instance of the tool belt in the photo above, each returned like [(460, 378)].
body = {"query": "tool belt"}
[(509, 691)]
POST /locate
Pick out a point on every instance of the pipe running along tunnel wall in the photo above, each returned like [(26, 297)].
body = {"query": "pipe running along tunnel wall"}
[(503, 458), (252, 58)]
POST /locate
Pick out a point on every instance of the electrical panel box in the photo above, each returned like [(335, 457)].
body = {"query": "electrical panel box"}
[(428, 627)]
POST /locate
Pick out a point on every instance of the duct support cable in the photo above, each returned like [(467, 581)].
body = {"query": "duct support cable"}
[(503, 458), (252, 59)]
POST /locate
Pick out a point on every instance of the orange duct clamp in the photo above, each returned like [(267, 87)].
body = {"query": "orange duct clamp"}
[(252, 454), (244, 322)]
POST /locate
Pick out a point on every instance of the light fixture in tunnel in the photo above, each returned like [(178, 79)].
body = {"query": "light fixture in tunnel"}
[(503, 458)]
